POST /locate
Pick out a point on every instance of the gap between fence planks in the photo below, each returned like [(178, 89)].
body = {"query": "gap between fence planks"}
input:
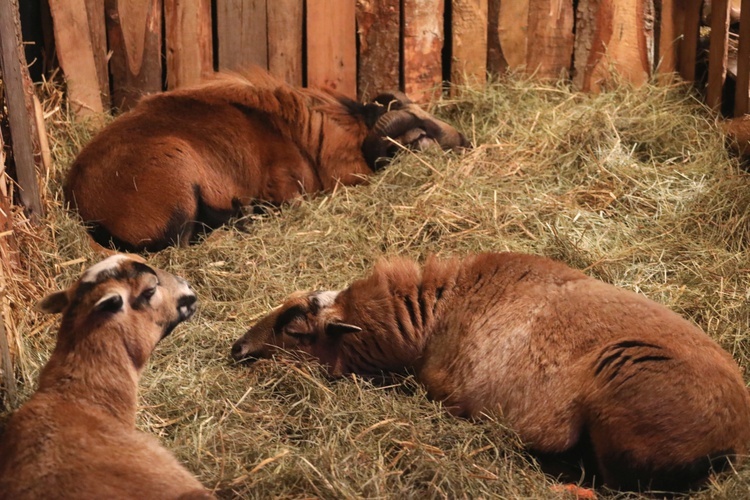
[(188, 40), (422, 46), (134, 34), (80, 44), (19, 100), (331, 46)]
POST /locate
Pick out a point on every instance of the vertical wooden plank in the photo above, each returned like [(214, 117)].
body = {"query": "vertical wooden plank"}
[(743, 62), (134, 33), (550, 34), (378, 27), (422, 59), (513, 32), (691, 15), (98, 36), (469, 42), (75, 28), (332, 46), (496, 62), (717, 52), (285, 38), (613, 35), (666, 62), (242, 34), (19, 101), (187, 27)]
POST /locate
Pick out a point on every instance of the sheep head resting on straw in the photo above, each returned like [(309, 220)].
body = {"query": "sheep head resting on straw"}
[(564, 358)]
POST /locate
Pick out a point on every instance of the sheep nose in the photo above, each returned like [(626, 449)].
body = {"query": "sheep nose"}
[(186, 306), (238, 351)]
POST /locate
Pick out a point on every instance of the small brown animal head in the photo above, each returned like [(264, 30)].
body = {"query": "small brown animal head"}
[(123, 297), (409, 125), (307, 322)]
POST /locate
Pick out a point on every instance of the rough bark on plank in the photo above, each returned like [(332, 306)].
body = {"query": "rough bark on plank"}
[(469, 42), (285, 40), (332, 46), (242, 33), (423, 37), (741, 98), (19, 93), (98, 35), (188, 41), (134, 33), (615, 40), (550, 34), (513, 32), (74, 28), (717, 52), (690, 12), (378, 23)]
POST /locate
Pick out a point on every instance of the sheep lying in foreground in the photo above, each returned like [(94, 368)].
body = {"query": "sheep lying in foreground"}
[(187, 160), (76, 436), (571, 363)]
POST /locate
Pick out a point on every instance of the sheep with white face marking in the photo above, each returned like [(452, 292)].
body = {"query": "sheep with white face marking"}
[(76, 436), (187, 160), (571, 363)]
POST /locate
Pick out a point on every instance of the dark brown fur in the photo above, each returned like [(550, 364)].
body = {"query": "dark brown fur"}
[(76, 436), (188, 159), (566, 359)]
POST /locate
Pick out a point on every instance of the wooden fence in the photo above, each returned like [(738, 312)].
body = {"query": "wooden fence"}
[(113, 51)]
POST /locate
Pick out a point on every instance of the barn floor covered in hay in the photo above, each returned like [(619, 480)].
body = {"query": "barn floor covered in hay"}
[(632, 186)]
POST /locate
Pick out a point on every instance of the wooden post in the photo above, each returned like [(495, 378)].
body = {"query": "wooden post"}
[(496, 62), (667, 22), (513, 32), (423, 37), (378, 27), (285, 38), (743, 62), (19, 96), (550, 38), (469, 39), (332, 46), (613, 35), (717, 52), (134, 33), (188, 39), (79, 29), (690, 12), (241, 29)]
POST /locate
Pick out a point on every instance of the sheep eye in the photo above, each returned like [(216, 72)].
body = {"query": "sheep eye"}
[(304, 338), (148, 293)]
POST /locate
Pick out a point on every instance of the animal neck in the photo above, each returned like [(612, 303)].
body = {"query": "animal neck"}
[(396, 308), (94, 372)]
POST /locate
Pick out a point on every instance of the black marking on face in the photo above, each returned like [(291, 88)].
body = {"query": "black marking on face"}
[(288, 316)]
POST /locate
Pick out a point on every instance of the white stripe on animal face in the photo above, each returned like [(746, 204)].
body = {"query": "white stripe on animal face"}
[(325, 299), (91, 274)]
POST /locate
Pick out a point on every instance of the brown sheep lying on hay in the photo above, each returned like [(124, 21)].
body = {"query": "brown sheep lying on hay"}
[(76, 436), (188, 160), (570, 362)]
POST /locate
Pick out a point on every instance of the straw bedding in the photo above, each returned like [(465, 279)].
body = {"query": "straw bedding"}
[(632, 186)]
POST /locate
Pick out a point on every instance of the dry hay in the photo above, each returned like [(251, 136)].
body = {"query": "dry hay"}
[(632, 186)]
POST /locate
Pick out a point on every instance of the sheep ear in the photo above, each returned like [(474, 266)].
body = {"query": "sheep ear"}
[(337, 329), (53, 303), (111, 302)]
